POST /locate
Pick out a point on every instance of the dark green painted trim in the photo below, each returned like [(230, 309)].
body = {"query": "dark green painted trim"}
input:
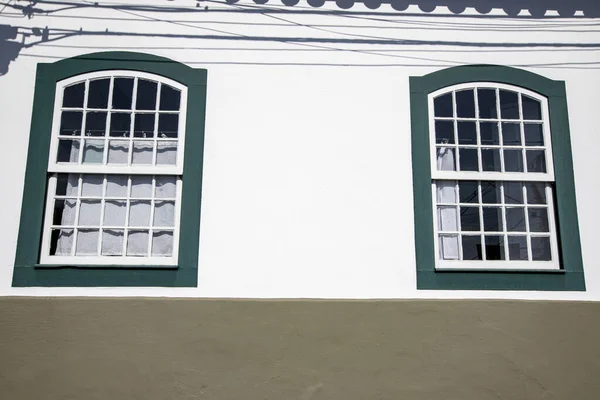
[(27, 270), (568, 227)]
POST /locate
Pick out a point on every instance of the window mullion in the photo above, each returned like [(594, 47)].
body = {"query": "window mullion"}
[(481, 224), (151, 223), (504, 223), (102, 207), (127, 207), (156, 122), (527, 228), (77, 209)]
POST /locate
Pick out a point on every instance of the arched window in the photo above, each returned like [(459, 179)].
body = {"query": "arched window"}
[(114, 173), (492, 178), (115, 166), (494, 192)]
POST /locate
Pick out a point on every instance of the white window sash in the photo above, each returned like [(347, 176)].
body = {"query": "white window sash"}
[(548, 176), (47, 259), (499, 265), (110, 169), (54, 166)]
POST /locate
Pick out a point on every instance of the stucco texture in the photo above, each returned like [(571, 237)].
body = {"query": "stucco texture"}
[(74, 348)]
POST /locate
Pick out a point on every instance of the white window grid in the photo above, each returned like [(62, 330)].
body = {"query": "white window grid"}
[(155, 140), (527, 231), (77, 198), (547, 177), (491, 175), (105, 169)]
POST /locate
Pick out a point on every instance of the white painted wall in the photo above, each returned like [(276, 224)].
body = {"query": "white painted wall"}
[(307, 188)]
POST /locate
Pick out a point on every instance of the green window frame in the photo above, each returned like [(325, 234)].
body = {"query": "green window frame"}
[(570, 276), (27, 270)]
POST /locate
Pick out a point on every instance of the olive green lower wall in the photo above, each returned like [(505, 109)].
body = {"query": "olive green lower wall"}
[(84, 349)]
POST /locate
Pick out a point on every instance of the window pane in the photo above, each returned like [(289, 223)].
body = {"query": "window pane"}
[(118, 152), (515, 219), (141, 186), (536, 193), (449, 247), (70, 123), (467, 132), (139, 213), (87, 242), (531, 108), (465, 104), (93, 151), (517, 248), (68, 151), (536, 161), (122, 94), (91, 185), (494, 248), (492, 219), (168, 125), (445, 159), (468, 191), (509, 105), (98, 93), (511, 134), (534, 135), (538, 220), (513, 192), (442, 105), (116, 186), (146, 95), (471, 246), (170, 99), (489, 133), (137, 243), (61, 242), (165, 187), (95, 124), (540, 249), (144, 125), (73, 95), (89, 212), (487, 103), (142, 152), (447, 219), (446, 191), (120, 124), (166, 153), (468, 159), (490, 160), (444, 132), (67, 184), (164, 213), (469, 219), (114, 213), (112, 242), (64, 212), (490, 192), (513, 161), (162, 243)]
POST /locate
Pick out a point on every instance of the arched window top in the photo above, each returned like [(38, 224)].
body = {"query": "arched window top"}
[(140, 113), (490, 128)]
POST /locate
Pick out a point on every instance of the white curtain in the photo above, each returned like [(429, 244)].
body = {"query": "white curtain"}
[(445, 159), (115, 216), (447, 219)]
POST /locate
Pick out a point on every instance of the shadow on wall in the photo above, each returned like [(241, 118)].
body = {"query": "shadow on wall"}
[(537, 8), (9, 50), (10, 47)]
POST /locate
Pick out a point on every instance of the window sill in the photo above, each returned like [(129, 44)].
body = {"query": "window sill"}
[(105, 266), (522, 280)]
